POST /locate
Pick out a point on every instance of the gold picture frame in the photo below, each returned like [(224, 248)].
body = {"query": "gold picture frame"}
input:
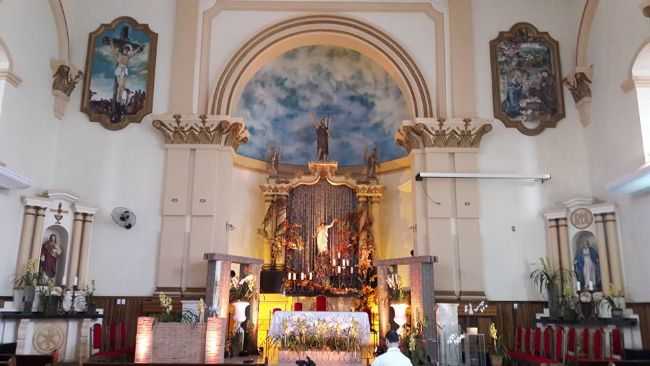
[(120, 73), (527, 89)]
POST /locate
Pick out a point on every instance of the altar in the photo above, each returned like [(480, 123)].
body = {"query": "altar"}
[(325, 337)]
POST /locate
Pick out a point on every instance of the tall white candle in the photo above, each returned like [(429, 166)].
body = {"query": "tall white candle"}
[(578, 285)]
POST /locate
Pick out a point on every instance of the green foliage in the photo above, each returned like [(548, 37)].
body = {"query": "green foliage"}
[(545, 276)]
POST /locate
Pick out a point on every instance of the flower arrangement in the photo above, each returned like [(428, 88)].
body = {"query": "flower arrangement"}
[(304, 334), (242, 289), (396, 292), (167, 307), (29, 277), (412, 344), (500, 348)]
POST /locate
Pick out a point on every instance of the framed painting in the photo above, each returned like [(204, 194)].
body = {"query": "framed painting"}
[(120, 72), (526, 79)]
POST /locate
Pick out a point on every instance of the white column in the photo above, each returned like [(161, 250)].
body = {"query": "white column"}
[(37, 238), (85, 249), (26, 237), (75, 248)]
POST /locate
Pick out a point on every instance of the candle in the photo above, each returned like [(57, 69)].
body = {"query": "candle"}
[(339, 255), (590, 286), (334, 262), (76, 280), (338, 269), (351, 270), (311, 275), (302, 276), (578, 285)]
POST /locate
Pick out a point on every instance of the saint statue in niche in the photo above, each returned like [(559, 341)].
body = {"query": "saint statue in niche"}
[(50, 252), (587, 262), (322, 139), (322, 236)]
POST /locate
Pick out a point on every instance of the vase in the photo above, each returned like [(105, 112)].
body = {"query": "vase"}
[(18, 299), (52, 305), (554, 307), (400, 315), (29, 293), (239, 317)]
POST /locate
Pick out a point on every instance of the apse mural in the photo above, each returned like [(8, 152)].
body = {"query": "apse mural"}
[(364, 103)]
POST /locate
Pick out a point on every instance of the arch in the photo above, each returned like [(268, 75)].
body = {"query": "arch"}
[(321, 30), (7, 66)]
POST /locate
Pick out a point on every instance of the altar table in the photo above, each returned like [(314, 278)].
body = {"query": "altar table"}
[(330, 316)]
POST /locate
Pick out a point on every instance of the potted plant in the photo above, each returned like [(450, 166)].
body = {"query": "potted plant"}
[(549, 280), (399, 298), (25, 285), (242, 292), (500, 350), (613, 306), (51, 297)]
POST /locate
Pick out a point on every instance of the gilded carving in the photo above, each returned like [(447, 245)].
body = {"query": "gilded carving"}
[(214, 130), (424, 133), (579, 85), (48, 338)]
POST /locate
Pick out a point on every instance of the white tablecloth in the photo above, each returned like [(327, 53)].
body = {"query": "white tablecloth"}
[(334, 316)]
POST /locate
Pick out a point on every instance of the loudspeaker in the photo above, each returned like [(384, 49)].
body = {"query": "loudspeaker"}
[(271, 281)]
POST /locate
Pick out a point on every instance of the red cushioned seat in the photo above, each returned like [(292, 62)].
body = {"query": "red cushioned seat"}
[(321, 303)]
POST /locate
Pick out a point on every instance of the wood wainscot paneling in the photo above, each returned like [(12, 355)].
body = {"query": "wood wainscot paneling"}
[(643, 310)]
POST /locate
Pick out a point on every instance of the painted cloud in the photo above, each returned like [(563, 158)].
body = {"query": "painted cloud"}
[(365, 105)]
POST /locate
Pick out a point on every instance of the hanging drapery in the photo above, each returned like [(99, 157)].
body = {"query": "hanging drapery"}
[(312, 205)]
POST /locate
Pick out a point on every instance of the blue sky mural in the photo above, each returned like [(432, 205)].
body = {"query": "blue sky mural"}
[(365, 105)]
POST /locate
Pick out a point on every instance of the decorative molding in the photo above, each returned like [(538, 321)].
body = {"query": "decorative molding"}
[(579, 81), (11, 78), (322, 29), (202, 129), (633, 80), (64, 80), (645, 8), (7, 66), (326, 7), (322, 170), (429, 133), (579, 84)]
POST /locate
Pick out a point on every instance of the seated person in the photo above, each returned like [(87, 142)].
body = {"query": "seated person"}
[(393, 356)]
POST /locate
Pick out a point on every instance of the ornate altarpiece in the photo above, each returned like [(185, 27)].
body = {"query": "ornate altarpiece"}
[(296, 206)]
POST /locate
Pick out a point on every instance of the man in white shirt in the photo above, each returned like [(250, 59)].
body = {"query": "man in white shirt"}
[(393, 356)]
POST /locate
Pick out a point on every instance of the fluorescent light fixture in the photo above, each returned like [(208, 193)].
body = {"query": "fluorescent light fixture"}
[(9, 179), (429, 175)]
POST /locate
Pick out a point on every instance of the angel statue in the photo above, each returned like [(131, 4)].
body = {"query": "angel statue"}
[(372, 161), (322, 138), (274, 161)]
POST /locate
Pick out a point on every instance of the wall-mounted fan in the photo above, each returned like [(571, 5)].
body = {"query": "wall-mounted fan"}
[(123, 217)]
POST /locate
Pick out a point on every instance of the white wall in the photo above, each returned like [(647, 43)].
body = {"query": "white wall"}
[(614, 137), (28, 132), (247, 213), (118, 168), (560, 152), (124, 168)]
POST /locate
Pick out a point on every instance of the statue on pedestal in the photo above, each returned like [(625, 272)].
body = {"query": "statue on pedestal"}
[(322, 139), (372, 161), (50, 252), (322, 236), (274, 161)]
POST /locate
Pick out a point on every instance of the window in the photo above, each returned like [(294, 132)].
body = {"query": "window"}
[(641, 78)]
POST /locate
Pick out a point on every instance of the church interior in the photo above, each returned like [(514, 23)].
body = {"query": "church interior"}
[(273, 182)]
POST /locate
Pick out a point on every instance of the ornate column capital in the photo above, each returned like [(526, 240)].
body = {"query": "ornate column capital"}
[(202, 129), (454, 133), (369, 192)]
